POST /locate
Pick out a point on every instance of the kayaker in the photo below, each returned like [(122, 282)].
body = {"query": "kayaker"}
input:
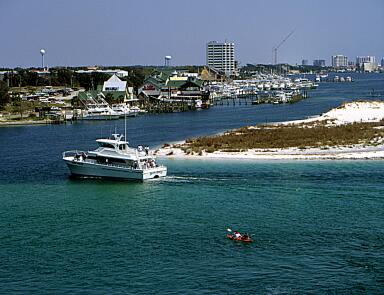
[(237, 235)]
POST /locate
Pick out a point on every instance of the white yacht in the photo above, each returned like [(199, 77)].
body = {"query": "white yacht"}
[(124, 110), (114, 159), (135, 110), (100, 112)]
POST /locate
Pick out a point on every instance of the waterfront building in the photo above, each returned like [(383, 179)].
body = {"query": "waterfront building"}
[(363, 59), (172, 86), (114, 88), (304, 62), (154, 82), (210, 74), (221, 57), (114, 84), (117, 89), (182, 88), (339, 61), (366, 63), (319, 62), (369, 67)]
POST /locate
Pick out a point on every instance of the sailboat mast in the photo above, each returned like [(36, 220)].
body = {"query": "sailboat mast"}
[(125, 124)]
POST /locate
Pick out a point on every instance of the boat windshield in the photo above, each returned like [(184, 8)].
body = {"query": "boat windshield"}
[(106, 145), (122, 147)]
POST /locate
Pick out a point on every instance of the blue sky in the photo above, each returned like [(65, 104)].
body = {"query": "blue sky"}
[(128, 32)]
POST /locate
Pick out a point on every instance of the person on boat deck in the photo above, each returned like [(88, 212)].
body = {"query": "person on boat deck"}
[(146, 150), (237, 234)]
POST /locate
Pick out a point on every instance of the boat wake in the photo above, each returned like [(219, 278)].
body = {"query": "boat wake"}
[(185, 179), (193, 179)]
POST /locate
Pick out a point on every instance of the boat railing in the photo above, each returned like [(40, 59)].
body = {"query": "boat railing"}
[(128, 167)]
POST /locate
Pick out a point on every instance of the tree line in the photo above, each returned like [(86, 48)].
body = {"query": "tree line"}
[(69, 78)]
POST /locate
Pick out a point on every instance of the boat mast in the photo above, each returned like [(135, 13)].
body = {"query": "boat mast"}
[(125, 124)]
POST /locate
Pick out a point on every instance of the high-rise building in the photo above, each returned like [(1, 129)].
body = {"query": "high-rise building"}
[(221, 56), (339, 61), (382, 62), (366, 63), (363, 59), (319, 62), (304, 62)]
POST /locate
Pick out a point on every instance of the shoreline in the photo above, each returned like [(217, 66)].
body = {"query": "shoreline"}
[(24, 123), (353, 112), (334, 153)]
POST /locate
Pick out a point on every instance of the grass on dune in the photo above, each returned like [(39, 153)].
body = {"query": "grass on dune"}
[(288, 136)]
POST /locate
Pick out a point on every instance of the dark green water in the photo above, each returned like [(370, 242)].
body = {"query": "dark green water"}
[(317, 226)]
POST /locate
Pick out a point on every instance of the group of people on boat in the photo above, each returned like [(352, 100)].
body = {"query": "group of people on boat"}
[(150, 163), (80, 157)]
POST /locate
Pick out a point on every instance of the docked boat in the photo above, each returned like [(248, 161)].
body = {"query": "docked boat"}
[(114, 159), (134, 111), (124, 110), (100, 112), (97, 108)]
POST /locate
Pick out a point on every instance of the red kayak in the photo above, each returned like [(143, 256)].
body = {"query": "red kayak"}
[(244, 239)]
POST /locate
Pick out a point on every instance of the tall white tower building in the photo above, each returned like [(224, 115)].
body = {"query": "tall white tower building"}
[(221, 56), (339, 61)]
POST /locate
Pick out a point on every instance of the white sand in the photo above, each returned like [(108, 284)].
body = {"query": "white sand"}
[(358, 111), (348, 113)]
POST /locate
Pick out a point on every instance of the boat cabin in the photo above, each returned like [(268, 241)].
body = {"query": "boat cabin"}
[(105, 143), (115, 142)]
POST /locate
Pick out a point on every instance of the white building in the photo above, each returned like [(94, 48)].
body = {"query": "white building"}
[(339, 61), (362, 59), (114, 84), (369, 66), (221, 57)]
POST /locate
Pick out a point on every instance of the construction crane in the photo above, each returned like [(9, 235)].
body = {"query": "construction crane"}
[(274, 50)]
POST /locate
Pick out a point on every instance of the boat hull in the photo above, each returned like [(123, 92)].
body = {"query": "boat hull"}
[(101, 117), (241, 239), (84, 169)]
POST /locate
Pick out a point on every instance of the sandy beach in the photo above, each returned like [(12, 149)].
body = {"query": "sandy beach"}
[(359, 112)]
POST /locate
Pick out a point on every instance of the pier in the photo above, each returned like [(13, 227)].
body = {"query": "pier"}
[(254, 98)]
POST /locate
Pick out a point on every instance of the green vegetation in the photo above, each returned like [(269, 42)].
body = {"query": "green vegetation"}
[(4, 96), (286, 136), (68, 77)]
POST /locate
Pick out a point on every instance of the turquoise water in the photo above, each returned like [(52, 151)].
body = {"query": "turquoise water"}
[(317, 226)]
